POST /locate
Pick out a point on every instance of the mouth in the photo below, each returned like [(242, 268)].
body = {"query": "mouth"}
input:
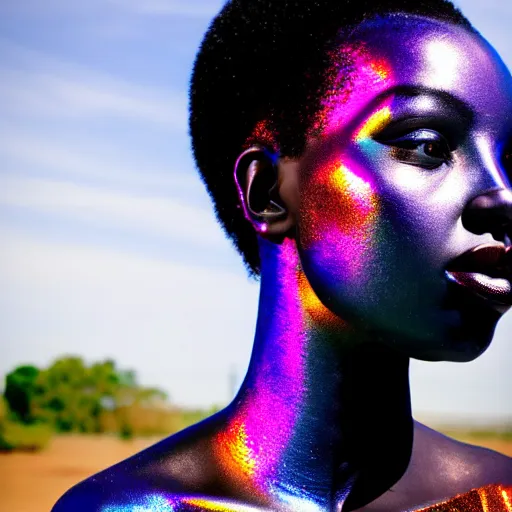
[(485, 271)]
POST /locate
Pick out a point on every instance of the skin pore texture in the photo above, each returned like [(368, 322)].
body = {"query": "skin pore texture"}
[(404, 171)]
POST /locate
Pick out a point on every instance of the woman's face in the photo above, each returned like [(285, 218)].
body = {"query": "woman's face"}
[(405, 171)]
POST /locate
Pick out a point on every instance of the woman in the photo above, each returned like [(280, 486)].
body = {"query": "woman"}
[(371, 192)]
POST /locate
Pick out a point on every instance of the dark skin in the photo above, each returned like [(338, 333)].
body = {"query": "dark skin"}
[(438, 467), (406, 464), (345, 431)]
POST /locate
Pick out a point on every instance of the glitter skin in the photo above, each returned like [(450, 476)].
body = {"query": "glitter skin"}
[(254, 447), (346, 223), (374, 124), (151, 503), (494, 498), (352, 69), (315, 312), (380, 219), (372, 244), (340, 209), (162, 503), (235, 449), (205, 504)]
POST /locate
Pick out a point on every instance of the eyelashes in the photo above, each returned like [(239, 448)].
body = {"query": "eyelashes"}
[(424, 148)]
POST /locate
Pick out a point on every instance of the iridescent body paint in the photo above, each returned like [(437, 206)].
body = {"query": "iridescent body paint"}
[(163, 503), (402, 174), (486, 499), (255, 446)]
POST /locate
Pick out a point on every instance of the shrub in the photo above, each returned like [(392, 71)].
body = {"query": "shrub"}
[(17, 436)]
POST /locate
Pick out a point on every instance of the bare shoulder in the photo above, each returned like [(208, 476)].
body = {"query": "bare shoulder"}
[(158, 477), (441, 468), (462, 463), (80, 499), (121, 488), (90, 496)]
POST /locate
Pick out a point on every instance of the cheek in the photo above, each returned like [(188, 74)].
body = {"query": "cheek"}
[(339, 220)]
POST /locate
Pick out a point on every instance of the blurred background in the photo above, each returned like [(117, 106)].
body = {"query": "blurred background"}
[(125, 314)]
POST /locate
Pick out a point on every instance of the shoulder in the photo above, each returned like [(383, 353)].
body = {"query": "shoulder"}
[(441, 468), (149, 479), (121, 489), (490, 466), (93, 496), (467, 464), (118, 489), (83, 499)]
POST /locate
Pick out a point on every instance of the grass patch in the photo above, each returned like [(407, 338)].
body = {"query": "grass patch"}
[(17, 436)]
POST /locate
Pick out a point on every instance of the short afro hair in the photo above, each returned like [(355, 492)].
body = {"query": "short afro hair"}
[(263, 61)]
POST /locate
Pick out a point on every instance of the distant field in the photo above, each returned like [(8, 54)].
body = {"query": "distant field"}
[(33, 482)]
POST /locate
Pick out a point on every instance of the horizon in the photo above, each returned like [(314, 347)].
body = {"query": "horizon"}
[(97, 176)]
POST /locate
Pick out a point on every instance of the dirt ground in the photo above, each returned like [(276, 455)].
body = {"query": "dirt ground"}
[(33, 482)]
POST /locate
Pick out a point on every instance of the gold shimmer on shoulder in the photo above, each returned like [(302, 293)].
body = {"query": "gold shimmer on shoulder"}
[(494, 498), (219, 506)]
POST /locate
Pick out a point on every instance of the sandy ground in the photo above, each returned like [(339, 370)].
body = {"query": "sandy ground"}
[(33, 482)]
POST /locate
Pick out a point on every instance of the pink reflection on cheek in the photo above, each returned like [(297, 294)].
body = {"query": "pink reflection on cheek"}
[(339, 218)]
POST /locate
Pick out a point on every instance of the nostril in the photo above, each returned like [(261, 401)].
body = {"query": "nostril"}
[(490, 212)]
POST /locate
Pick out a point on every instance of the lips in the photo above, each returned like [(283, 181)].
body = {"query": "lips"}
[(485, 270)]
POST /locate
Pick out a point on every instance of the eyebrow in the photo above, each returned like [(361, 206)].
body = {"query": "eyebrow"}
[(414, 91)]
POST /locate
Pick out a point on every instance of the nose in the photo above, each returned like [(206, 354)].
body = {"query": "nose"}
[(490, 212)]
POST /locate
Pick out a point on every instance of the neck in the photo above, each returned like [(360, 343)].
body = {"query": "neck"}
[(323, 417)]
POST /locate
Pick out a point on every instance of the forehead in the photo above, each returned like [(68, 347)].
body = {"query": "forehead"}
[(421, 54)]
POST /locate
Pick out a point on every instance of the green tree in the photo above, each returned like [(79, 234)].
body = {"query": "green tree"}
[(71, 396), (20, 389)]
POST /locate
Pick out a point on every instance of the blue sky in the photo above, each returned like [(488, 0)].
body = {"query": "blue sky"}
[(109, 247)]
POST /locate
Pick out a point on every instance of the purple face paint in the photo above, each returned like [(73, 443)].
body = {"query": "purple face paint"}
[(407, 135)]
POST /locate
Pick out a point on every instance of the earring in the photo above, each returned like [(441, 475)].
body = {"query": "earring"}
[(261, 227)]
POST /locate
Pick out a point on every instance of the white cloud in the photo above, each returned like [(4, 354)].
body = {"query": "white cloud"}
[(166, 217), (35, 83)]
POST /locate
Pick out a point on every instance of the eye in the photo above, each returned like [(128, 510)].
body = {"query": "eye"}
[(422, 148), (436, 149)]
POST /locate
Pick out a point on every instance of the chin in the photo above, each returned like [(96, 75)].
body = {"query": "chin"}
[(462, 339), (455, 352)]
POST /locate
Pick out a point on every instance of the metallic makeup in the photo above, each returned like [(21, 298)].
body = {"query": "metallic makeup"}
[(494, 498), (408, 136), (255, 449), (404, 176), (487, 499), (165, 503)]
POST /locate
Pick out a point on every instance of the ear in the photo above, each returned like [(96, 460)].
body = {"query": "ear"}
[(266, 188)]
